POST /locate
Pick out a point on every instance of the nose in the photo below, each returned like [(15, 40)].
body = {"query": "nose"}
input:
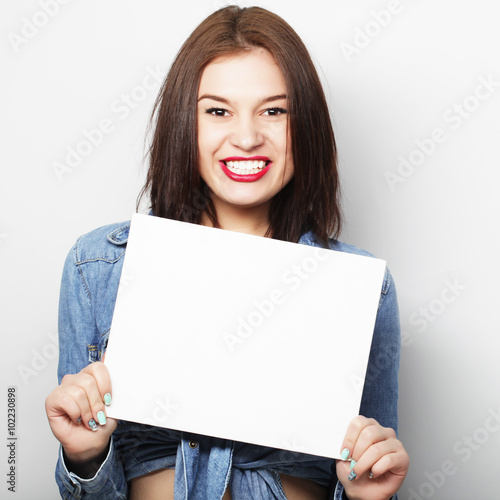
[(247, 134)]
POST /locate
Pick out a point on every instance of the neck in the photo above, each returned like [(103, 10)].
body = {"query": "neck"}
[(254, 220)]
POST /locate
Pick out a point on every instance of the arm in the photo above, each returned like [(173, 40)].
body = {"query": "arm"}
[(380, 392), (372, 439), (88, 466)]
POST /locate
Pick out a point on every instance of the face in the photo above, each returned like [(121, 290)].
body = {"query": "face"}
[(243, 135)]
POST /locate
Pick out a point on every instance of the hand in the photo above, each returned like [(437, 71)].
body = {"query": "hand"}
[(378, 453), (78, 400)]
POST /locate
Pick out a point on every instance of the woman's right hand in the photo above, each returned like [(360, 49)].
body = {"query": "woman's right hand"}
[(77, 415)]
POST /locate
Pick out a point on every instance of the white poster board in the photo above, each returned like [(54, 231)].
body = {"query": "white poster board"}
[(241, 337)]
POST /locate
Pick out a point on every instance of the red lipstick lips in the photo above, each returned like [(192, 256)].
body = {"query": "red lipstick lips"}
[(245, 177)]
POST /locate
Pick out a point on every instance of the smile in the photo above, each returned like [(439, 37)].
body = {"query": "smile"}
[(245, 169)]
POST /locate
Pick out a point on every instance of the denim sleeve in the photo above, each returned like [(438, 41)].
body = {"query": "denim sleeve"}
[(380, 392), (107, 484), (77, 330)]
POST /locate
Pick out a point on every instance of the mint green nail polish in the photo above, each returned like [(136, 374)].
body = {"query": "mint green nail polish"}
[(353, 463), (101, 417), (107, 399), (352, 475), (92, 424), (345, 454)]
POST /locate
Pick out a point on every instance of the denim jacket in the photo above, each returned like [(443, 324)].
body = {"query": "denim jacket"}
[(204, 466)]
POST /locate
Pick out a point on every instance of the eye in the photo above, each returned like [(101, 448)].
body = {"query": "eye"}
[(217, 111), (274, 111)]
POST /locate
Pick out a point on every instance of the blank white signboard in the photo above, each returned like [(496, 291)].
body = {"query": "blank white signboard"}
[(241, 337)]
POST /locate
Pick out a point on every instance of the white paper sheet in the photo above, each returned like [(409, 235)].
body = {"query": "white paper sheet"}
[(241, 337)]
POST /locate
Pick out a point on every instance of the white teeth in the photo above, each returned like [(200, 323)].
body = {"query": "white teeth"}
[(245, 166)]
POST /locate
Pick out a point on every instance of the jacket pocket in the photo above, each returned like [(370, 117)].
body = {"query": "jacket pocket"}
[(93, 350), (96, 351), (103, 345)]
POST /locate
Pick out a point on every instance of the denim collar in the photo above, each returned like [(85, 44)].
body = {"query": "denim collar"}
[(119, 236), (309, 239)]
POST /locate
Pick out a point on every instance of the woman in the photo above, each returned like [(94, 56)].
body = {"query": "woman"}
[(243, 141)]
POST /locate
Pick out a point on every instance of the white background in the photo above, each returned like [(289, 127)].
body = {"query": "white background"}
[(63, 73)]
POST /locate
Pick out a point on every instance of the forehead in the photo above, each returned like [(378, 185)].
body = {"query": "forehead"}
[(254, 72)]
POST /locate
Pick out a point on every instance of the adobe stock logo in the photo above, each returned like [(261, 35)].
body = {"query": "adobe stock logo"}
[(455, 116), (364, 36), (426, 315), (120, 108), (40, 359), (31, 27), (465, 447), (291, 280), (162, 411)]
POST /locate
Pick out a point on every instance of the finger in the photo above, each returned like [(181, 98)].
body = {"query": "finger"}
[(107, 395), (367, 462), (101, 374), (72, 388), (60, 404), (83, 387), (396, 463), (371, 435), (353, 432)]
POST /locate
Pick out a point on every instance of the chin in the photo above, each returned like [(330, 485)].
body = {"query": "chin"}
[(244, 201), (243, 204)]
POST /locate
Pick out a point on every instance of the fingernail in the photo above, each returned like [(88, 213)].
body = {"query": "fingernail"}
[(92, 424), (353, 463), (345, 454), (352, 475), (370, 475), (101, 418), (79, 420), (107, 399)]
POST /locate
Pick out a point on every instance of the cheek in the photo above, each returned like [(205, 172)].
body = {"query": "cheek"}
[(279, 136), (210, 139), (289, 166)]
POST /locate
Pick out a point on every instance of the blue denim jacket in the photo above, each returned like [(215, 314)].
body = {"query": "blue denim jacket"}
[(204, 466)]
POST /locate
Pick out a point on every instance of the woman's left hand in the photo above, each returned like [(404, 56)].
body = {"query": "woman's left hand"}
[(381, 462)]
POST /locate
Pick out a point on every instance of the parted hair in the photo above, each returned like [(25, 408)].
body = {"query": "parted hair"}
[(310, 201)]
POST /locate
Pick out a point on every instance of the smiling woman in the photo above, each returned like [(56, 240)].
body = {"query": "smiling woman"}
[(245, 157), (287, 97), (242, 141)]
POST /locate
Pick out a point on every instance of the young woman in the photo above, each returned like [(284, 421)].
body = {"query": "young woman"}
[(243, 141)]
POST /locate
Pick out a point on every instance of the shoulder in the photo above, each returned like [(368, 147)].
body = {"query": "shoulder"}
[(340, 246), (310, 239), (106, 243)]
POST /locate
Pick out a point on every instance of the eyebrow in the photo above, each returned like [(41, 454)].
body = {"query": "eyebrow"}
[(217, 98)]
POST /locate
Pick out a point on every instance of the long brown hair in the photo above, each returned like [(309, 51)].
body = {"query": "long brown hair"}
[(310, 201)]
